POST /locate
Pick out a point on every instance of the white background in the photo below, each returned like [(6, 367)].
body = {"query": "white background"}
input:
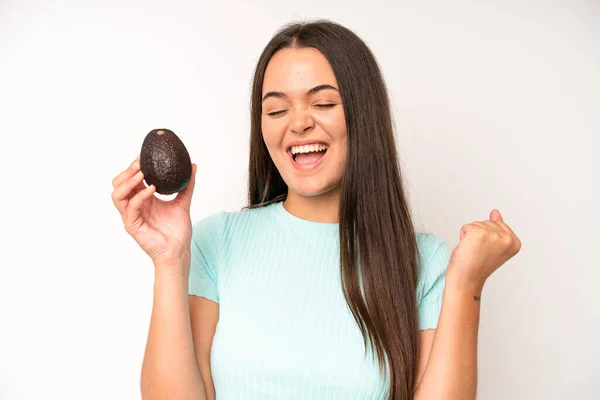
[(497, 105)]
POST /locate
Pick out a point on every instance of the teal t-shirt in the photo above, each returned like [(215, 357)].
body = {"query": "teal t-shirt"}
[(285, 330)]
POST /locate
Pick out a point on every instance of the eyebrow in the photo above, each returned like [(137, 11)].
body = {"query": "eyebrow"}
[(309, 93)]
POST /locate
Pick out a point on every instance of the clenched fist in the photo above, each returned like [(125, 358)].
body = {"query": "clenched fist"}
[(484, 246)]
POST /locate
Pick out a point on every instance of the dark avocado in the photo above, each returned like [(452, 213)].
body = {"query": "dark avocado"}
[(165, 162)]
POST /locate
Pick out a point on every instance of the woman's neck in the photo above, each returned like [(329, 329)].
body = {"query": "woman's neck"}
[(322, 208)]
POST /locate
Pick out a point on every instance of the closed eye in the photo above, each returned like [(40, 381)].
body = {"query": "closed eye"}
[(275, 113), (326, 105)]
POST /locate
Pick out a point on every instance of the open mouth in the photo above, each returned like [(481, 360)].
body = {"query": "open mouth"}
[(308, 154)]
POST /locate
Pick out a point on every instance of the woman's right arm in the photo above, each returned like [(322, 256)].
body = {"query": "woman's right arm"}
[(170, 369)]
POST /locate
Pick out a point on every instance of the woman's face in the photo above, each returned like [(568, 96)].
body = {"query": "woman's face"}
[(303, 121)]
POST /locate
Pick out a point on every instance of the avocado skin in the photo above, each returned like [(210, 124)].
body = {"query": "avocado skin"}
[(165, 162)]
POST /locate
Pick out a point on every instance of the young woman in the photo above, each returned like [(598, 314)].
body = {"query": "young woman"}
[(321, 288)]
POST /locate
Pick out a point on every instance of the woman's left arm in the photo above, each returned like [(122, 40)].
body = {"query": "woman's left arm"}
[(451, 369)]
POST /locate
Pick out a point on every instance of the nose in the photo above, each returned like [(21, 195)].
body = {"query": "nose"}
[(301, 121)]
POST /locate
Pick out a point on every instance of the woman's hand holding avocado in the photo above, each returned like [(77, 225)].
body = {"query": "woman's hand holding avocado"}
[(163, 229)]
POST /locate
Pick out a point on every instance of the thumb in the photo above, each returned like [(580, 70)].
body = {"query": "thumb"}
[(496, 216), (185, 196)]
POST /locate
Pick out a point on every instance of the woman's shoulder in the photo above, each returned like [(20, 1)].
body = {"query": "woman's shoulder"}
[(432, 248), (218, 222), (428, 241)]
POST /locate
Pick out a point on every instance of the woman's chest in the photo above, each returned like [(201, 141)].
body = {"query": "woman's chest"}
[(285, 332)]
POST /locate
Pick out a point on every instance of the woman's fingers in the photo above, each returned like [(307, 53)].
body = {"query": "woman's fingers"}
[(128, 173), (506, 228), (133, 213), (494, 225), (184, 198), (123, 192)]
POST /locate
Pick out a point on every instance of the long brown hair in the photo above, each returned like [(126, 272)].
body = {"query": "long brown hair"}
[(374, 215)]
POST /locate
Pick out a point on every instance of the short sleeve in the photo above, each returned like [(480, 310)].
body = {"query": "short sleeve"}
[(435, 256), (205, 252)]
